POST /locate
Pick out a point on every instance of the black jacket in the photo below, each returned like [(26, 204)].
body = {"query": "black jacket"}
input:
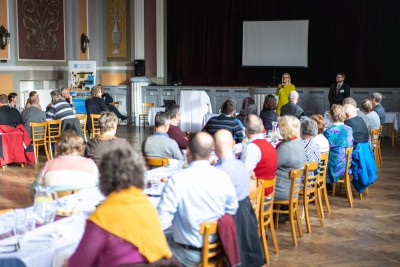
[(338, 98)]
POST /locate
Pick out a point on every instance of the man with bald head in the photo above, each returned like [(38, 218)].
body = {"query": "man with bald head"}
[(292, 108), (251, 253), (197, 194), (259, 155), (350, 100)]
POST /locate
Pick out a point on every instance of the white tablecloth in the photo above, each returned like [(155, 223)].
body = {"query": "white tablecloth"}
[(38, 248), (194, 105), (152, 114), (392, 117)]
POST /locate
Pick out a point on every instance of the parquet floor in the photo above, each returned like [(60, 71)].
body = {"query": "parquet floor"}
[(367, 235)]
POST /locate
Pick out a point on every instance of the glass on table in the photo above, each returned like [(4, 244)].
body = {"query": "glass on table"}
[(8, 241)]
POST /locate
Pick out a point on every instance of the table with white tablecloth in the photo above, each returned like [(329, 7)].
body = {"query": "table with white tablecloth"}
[(152, 114), (38, 247), (392, 119)]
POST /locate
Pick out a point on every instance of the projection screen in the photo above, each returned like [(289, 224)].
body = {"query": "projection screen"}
[(275, 43)]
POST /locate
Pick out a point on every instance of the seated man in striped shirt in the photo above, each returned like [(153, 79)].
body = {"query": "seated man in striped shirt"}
[(226, 121), (59, 108)]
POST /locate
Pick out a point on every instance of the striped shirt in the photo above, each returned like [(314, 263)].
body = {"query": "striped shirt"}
[(224, 122), (60, 110)]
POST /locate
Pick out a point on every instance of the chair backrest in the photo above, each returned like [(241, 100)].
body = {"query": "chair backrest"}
[(255, 197), (323, 167), (374, 135), (209, 250), (156, 162), (5, 211), (267, 200), (310, 178), (146, 107), (295, 176), (53, 130), (39, 131), (349, 151), (94, 118)]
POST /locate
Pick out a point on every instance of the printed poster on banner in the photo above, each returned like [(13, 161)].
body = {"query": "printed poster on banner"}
[(81, 75)]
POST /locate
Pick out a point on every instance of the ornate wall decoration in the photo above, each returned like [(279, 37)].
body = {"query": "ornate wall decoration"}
[(41, 30), (117, 30)]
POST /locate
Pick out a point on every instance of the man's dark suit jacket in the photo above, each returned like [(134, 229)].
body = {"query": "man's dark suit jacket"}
[(343, 93), (291, 109)]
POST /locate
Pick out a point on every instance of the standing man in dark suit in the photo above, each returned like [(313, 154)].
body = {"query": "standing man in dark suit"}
[(339, 90)]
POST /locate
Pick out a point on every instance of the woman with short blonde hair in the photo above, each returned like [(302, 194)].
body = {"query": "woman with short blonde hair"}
[(373, 117), (291, 155), (94, 105)]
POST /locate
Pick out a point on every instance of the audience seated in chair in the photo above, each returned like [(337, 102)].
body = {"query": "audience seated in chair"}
[(351, 101), (291, 155), (376, 99), (259, 155), (174, 132), (360, 130), (108, 100), (370, 113), (124, 230), (226, 120), (308, 131), (59, 109), (106, 141), (70, 170), (251, 253), (159, 145), (340, 137), (268, 114), (8, 115), (32, 114), (292, 108), (94, 105), (33, 94), (320, 139), (13, 100), (188, 200)]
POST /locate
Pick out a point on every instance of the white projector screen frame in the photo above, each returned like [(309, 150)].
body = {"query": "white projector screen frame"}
[(282, 43)]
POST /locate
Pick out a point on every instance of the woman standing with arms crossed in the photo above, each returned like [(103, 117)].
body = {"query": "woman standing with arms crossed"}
[(283, 91)]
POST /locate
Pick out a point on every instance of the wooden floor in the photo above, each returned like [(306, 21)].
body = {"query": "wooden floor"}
[(367, 235)]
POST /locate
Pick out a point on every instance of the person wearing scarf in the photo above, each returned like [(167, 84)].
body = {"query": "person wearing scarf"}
[(124, 229)]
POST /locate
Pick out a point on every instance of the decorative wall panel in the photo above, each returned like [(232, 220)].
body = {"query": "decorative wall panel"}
[(41, 33), (117, 30)]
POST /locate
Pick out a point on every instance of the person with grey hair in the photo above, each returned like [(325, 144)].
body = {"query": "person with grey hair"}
[(308, 130), (360, 130), (159, 145), (350, 100), (376, 99), (102, 144), (174, 132), (64, 91), (292, 108), (59, 108), (259, 155), (370, 113), (32, 114)]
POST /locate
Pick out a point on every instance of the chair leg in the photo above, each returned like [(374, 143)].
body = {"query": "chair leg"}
[(348, 191), (366, 191), (292, 227), (51, 151), (328, 206), (305, 204), (271, 227), (360, 196), (318, 206), (298, 220), (333, 189), (35, 152), (264, 239)]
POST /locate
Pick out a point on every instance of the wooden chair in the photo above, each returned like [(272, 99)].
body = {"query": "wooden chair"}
[(255, 199), (3, 211), (266, 216), (310, 192), (322, 184), (211, 254), (94, 118), (156, 162), (346, 178), (82, 120), (376, 146), (39, 131), (379, 148), (293, 204), (145, 113), (53, 134)]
